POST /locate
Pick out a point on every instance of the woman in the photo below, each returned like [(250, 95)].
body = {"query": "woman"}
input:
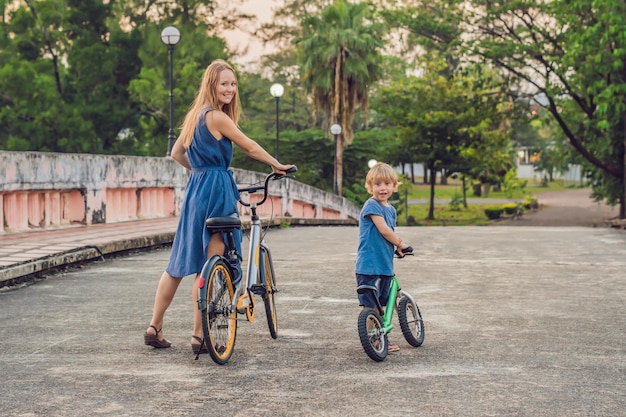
[(204, 147)]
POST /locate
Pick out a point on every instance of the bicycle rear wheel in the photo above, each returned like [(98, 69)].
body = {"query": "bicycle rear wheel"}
[(219, 319), (269, 282), (411, 321), (373, 339)]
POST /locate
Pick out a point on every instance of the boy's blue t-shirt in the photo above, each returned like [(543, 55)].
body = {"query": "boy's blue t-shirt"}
[(375, 253)]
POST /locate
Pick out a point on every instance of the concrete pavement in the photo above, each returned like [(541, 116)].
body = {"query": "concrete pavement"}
[(26, 256), (520, 321)]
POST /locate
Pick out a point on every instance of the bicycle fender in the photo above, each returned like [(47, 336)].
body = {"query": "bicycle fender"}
[(203, 281), (407, 295)]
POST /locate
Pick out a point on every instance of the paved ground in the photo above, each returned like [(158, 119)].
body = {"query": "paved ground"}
[(567, 208), (520, 321)]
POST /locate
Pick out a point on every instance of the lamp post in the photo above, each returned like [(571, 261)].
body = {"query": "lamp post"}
[(336, 131), (277, 90), (170, 36)]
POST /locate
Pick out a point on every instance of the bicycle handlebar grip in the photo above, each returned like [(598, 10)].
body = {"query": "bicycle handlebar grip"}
[(289, 171), (406, 251)]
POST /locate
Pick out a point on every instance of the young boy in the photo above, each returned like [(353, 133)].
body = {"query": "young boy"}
[(377, 240)]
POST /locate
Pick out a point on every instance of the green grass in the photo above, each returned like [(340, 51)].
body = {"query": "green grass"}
[(444, 216), (446, 192), (474, 214)]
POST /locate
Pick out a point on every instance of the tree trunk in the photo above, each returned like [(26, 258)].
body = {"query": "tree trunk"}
[(464, 191), (431, 207), (622, 200), (444, 177), (339, 153)]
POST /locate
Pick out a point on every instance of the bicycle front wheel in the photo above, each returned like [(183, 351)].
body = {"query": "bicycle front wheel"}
[(269, 282), (411, 321), (373, 339), (219, 319)]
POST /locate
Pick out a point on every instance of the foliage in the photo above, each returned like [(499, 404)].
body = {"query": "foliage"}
[(494, 213), (418, 216), (339, 56), (92, 76), (456, 202), (511, 184), (509, 208), (530, 202), (573, 67), (435, 124)]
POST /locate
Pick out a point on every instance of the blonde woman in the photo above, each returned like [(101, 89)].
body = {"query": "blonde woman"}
[(205, 146)]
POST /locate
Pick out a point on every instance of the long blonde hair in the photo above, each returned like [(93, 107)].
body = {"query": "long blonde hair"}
[(207, 97)]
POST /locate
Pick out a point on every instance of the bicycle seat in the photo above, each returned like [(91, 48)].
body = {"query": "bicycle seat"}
[(363, 289), (223, 224)]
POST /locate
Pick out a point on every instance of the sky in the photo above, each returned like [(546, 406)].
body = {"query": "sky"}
[(239, 40)]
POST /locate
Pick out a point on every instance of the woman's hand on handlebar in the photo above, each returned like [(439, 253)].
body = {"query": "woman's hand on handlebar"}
[(283, 169)]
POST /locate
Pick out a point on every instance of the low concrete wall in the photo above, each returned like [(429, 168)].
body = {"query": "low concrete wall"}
[(51, 190)]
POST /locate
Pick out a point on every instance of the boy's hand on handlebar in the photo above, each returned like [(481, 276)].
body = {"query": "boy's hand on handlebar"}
[(403, 250)]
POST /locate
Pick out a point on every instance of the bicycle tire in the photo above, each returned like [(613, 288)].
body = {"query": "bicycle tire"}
[(219, 319), (375, 342), (268, 278), (411, 321)]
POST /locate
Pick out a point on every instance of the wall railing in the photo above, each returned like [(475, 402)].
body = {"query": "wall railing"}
[(40, 191)]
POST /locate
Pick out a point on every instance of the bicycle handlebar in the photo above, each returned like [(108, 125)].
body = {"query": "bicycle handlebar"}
[(254, 188), (406, 251)]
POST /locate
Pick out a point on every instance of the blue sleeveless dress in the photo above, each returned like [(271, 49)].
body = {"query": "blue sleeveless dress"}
[(211, 191)]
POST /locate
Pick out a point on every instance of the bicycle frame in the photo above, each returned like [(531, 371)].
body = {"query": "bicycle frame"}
[(251, 275), (250, 280), (395, 292)]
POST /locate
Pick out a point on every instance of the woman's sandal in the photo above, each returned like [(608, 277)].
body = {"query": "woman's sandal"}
[(153, 339), (393, 348), (198, 348)]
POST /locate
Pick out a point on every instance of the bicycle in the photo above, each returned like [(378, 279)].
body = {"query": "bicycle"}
[(374, 329), (220, 297)]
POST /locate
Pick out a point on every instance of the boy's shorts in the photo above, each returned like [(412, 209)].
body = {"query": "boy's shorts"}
[(367, 299)]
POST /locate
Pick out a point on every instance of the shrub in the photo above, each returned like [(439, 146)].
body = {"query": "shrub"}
[(494, 213), (530, 203), (512, 185), (455, 203), (509, 208)]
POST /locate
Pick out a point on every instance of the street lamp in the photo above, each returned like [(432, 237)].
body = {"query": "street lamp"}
[(336, 131), (277, 90), (170, 36)]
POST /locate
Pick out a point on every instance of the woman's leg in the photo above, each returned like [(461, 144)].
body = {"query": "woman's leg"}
[(216, 247), (165, 293)]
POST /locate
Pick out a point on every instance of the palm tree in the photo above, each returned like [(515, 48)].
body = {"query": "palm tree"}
[(339, 56)]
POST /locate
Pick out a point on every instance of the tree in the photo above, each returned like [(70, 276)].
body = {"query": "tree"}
[(339, 55), (571, 55), (74, 98), (453, 123)]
